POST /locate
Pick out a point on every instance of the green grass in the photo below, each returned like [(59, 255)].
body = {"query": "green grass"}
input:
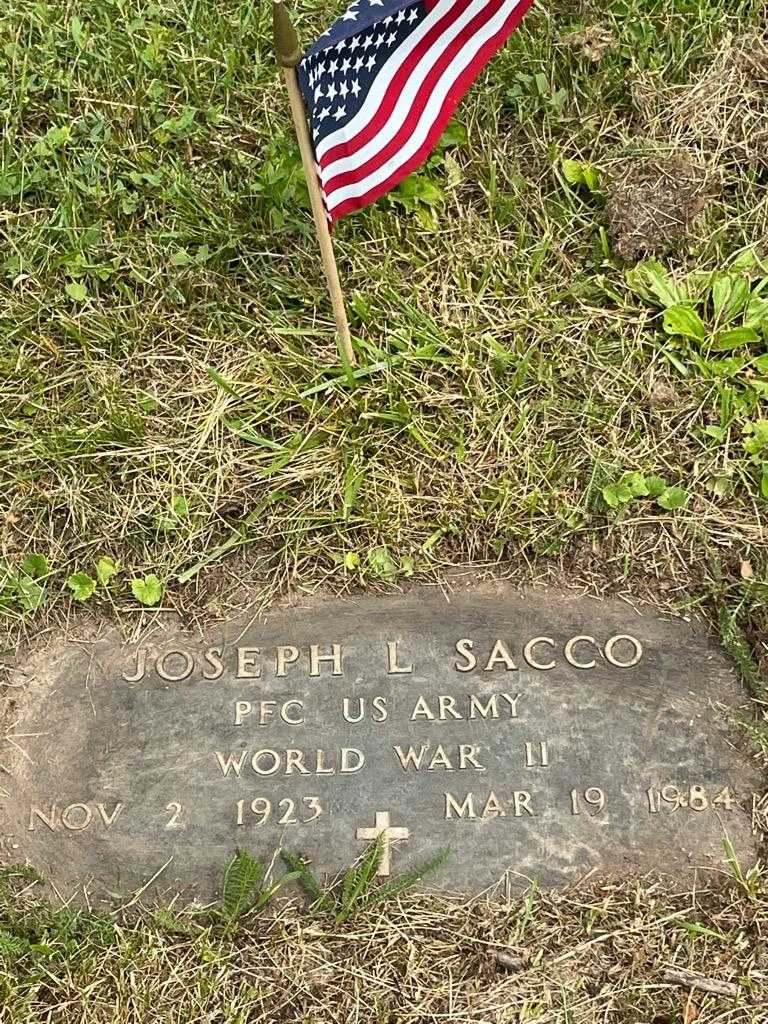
[(170, 390), (175, 431)]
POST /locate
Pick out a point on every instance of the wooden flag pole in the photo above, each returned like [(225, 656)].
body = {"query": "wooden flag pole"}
[(288, 56)]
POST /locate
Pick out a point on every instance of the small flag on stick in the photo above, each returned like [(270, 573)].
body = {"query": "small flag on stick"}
[(288, 56), (382, 83)]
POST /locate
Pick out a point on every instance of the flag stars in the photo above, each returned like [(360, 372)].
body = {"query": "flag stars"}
[(339, 73)]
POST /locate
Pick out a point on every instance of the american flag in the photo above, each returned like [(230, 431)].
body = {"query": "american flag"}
[(382, 83)]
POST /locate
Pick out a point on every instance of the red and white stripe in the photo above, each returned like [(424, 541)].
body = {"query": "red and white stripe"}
[(412, 99)]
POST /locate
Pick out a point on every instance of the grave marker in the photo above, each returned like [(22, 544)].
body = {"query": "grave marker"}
[(537, 735)]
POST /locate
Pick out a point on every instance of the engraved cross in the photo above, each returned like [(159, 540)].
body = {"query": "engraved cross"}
[(389, 833)]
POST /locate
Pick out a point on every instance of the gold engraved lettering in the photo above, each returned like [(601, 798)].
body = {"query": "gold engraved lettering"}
[(346, 754), (626, 639), (493, 808), (261, 809), (285, 656), (569, 655), (316, 659), (380, 709), (593, 797), (313, 804), (288, 817), (141, 667), (109, 819), (724, 799), (464, 648), (285, 709), (47, 819), (696, 798), (175, 809), (529, 655), (175, 677), (294, 759), (500, 654), (673, 796), (246, 663), (76, 817), (359, 713), (232, 763), (491, 707), (212, 658), (447, 707), (422, 710), (440, 760), (243, 708), (543, 755), (392, 666), (266, 761), (465, 809), (521, 801), (468, 756), (378, 704), (267, 709), (413, 759)]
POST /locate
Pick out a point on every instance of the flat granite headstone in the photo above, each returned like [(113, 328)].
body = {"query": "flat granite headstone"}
[(538, 735)]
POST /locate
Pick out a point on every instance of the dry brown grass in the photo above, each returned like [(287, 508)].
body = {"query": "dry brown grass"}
[(723, 111), (593, 953)]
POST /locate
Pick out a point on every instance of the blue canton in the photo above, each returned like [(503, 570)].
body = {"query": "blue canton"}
[(337, 72)]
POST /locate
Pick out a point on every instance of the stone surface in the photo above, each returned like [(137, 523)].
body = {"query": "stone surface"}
[(542, 759)]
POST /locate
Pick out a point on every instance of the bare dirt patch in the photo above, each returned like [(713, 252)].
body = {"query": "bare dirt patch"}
[(653, 203)]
